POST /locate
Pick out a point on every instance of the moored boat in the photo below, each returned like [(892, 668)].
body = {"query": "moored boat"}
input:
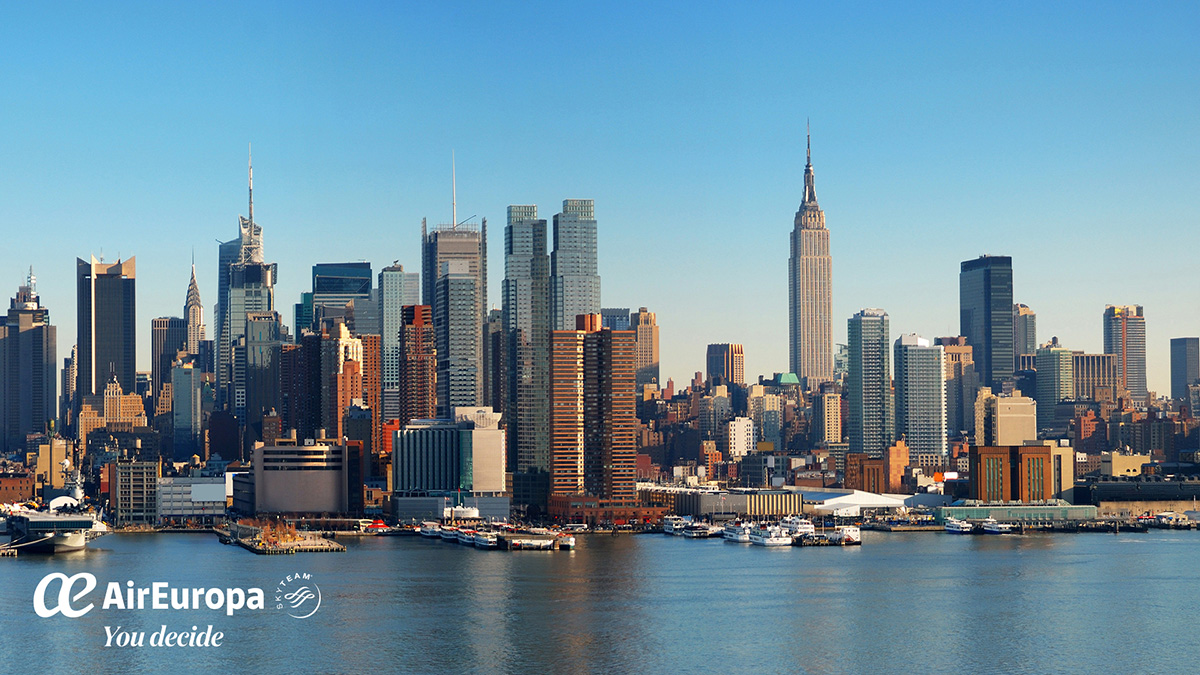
[(430, 529), (675, 524), (486, 539), (769, 535), (956, 526), (737, 531), (797, 526), (992, 526)]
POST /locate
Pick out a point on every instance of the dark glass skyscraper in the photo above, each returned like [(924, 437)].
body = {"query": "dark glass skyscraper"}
[(871, 418), (106, 333), (985, 293), (1185, 365), (27, 368)]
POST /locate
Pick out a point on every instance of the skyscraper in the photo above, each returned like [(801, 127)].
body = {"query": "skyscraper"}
[(1185, 366), (526, 291), (574, 279), (1055, 380), (920, 394), (1125, 336), (397, 289), (259, 355), (28, 368), (418, 365), (334, 286), (1024, 333), (810, 284), (193, 313), (467, 244), (106, 329), (459, 333), (244, 284), (726, 364), (615, 318), (645, 331), (168, 337), (986, 316), (870, 422), (962, 385), (593, 426)]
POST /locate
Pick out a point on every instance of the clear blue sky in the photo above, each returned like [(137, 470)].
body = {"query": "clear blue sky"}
[(1065, 135)]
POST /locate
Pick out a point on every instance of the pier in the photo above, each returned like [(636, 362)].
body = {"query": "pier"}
[(269, 539)]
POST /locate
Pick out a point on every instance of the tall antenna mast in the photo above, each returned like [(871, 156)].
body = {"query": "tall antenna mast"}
[(250, 151), (453, 194)]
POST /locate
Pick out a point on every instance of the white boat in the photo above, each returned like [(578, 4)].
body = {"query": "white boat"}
[(991, 526), (449, 533), (956, 526), (430, 529), (486, 539), (675, 524), (566, 542), (847, 535), (737, 531), (797, 526), (466, 537), (702, 531), (770, 535)]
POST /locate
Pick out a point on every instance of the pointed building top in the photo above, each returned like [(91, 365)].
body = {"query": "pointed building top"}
[(250, 165), (810, 188), (193, 292), (808, 134)]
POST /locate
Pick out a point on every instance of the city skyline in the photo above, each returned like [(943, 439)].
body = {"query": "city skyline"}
[(930, 174)]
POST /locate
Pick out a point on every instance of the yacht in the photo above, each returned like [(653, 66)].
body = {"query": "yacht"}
[(797, 526), (991, 526), (956, 526), (466, 537), (449, 533), (430, 529), (847, 535), (737, 531), (486, 539), (770, 535)]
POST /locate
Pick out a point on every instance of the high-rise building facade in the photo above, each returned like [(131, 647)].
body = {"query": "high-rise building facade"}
[(574, 276), (106, 324), (397, 289), (1055, 380), (962, 385), (418, 365), (526, 311), (1185, 366), (615, 318), (1125, 336), (1095, 370), (466, 245), (28, 369), (870, 422), (245, 283), (1024, 333), (726, 364), (459, 334), (339, 290), (186, 411), (193, 314), (810, 289), (645, 331), (986, 317), (920, 394), (168, 337), (593, 422), (258, 356)]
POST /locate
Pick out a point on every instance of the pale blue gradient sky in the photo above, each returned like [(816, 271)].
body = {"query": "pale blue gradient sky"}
[(1063, 134)]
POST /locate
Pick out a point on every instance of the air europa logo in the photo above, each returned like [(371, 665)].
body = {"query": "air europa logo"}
[(158, 595)]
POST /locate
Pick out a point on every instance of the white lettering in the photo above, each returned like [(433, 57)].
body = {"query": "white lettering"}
[(110, 632), (112, 597), (159, 599), (64, 595)]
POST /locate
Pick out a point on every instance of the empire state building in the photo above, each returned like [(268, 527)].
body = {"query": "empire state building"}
[(810, 276)]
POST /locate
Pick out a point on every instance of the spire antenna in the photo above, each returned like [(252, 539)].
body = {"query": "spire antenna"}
[(808, 133), (453, 193), (250, 152)]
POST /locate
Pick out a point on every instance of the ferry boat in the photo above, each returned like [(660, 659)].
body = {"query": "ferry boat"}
[(449, 533), (675, 524), (702, 531), (430, 529), (486, 539), (738, 532), (769, 535), (566, 542), (466, 537), (956, 526), (797, 526), (991, 526)]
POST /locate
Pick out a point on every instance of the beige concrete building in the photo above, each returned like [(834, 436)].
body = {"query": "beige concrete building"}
[(810, 284), (1004, 420), (1119, 464)]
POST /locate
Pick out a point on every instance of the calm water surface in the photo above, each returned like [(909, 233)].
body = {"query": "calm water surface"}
[(645, 604)]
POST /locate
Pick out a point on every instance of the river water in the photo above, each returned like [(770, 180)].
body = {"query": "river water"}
[(1066, 603)]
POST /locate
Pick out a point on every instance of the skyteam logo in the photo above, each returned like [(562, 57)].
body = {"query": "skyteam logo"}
[(298, 595)]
